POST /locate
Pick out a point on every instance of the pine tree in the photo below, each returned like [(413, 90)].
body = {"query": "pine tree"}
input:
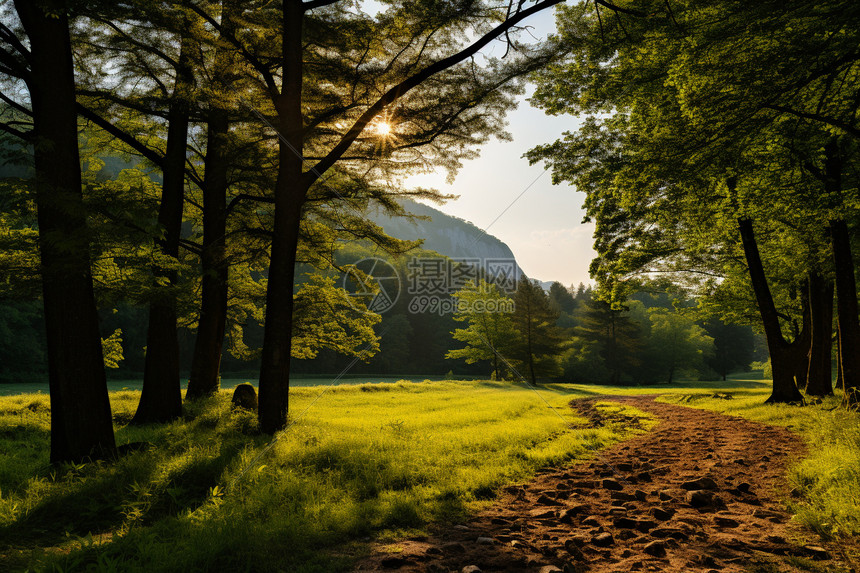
[(539, 343), (617, 337)]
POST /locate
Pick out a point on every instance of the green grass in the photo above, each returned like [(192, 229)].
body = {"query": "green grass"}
[(364, 461), (35, 387), (826, 483), (360, 462)]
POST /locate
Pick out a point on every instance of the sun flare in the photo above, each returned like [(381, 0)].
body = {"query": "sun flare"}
[(383, 128)]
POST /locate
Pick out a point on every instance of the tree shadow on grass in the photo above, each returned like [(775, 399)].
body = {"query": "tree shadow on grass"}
[(102, 497)]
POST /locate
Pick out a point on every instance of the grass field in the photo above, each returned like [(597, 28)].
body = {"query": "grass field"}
[(14, 388), (359, 462), (209, 494)]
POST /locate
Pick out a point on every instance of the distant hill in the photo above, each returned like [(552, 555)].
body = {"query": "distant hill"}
[(445, 234)]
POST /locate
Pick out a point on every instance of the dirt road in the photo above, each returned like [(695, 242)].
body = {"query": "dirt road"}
[(699, 492)]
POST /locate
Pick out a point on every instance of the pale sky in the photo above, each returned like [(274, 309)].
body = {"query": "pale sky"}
[(543, 227)]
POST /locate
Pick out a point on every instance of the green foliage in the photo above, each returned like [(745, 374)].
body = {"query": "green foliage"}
[(362, 463), (325, 316), (681, 101), (655, 338), (22, 347), (112, 349), (539, 340), (610, 333), (490, 335), (676, 343)]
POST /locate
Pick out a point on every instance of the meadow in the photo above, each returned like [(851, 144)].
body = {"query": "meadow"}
[(115, 385), (359, 462), (208, 492)]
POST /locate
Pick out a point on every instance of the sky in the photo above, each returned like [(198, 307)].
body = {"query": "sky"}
[(502, 194)]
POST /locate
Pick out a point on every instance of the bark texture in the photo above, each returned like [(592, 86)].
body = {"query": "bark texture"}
[(785, 357), (81, 424), (161, 396), (819, 376), (206, 363), (290, 195)]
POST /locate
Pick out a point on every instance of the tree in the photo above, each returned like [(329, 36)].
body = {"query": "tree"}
[(733, 347), (490, 334), (676, 343), (205, 368), (687, 166), (616, 336), (561, 298), (539, 343), (161, 398), (81, 423), (327, 317), (294, 182)]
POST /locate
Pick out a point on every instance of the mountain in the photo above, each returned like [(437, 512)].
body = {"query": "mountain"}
[(447, 235)]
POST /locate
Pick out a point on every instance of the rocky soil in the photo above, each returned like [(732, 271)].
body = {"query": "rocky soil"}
[(699, 492)]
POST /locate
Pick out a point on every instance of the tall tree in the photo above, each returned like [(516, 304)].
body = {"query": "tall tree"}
[(539, 344), (490, 334), (617, 336), (161, 398), (676, 344), (294, 182), (81, 423), (205, 367), (733, 347)]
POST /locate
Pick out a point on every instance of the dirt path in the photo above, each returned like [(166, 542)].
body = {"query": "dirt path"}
[(700, 492)]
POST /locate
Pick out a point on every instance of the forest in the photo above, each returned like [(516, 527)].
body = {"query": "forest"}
[(234, 337)]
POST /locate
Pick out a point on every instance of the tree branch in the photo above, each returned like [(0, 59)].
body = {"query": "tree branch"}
[(15, 105), (816, 117), (228, 35), (245, 196), (10, 38), (16, 132), (317, 4), (122, 135), (403, 87), (621, 10)]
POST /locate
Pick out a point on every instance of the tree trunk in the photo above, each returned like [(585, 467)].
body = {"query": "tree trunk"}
[(846, 309), (818, 381), (840, 382), (783, 356), (161, 397), (81, 423), (290, 194), (801, 347), (206, 364)]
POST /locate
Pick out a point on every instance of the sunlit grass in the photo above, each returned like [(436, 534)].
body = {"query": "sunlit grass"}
[(359, 462), (363, 461)]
